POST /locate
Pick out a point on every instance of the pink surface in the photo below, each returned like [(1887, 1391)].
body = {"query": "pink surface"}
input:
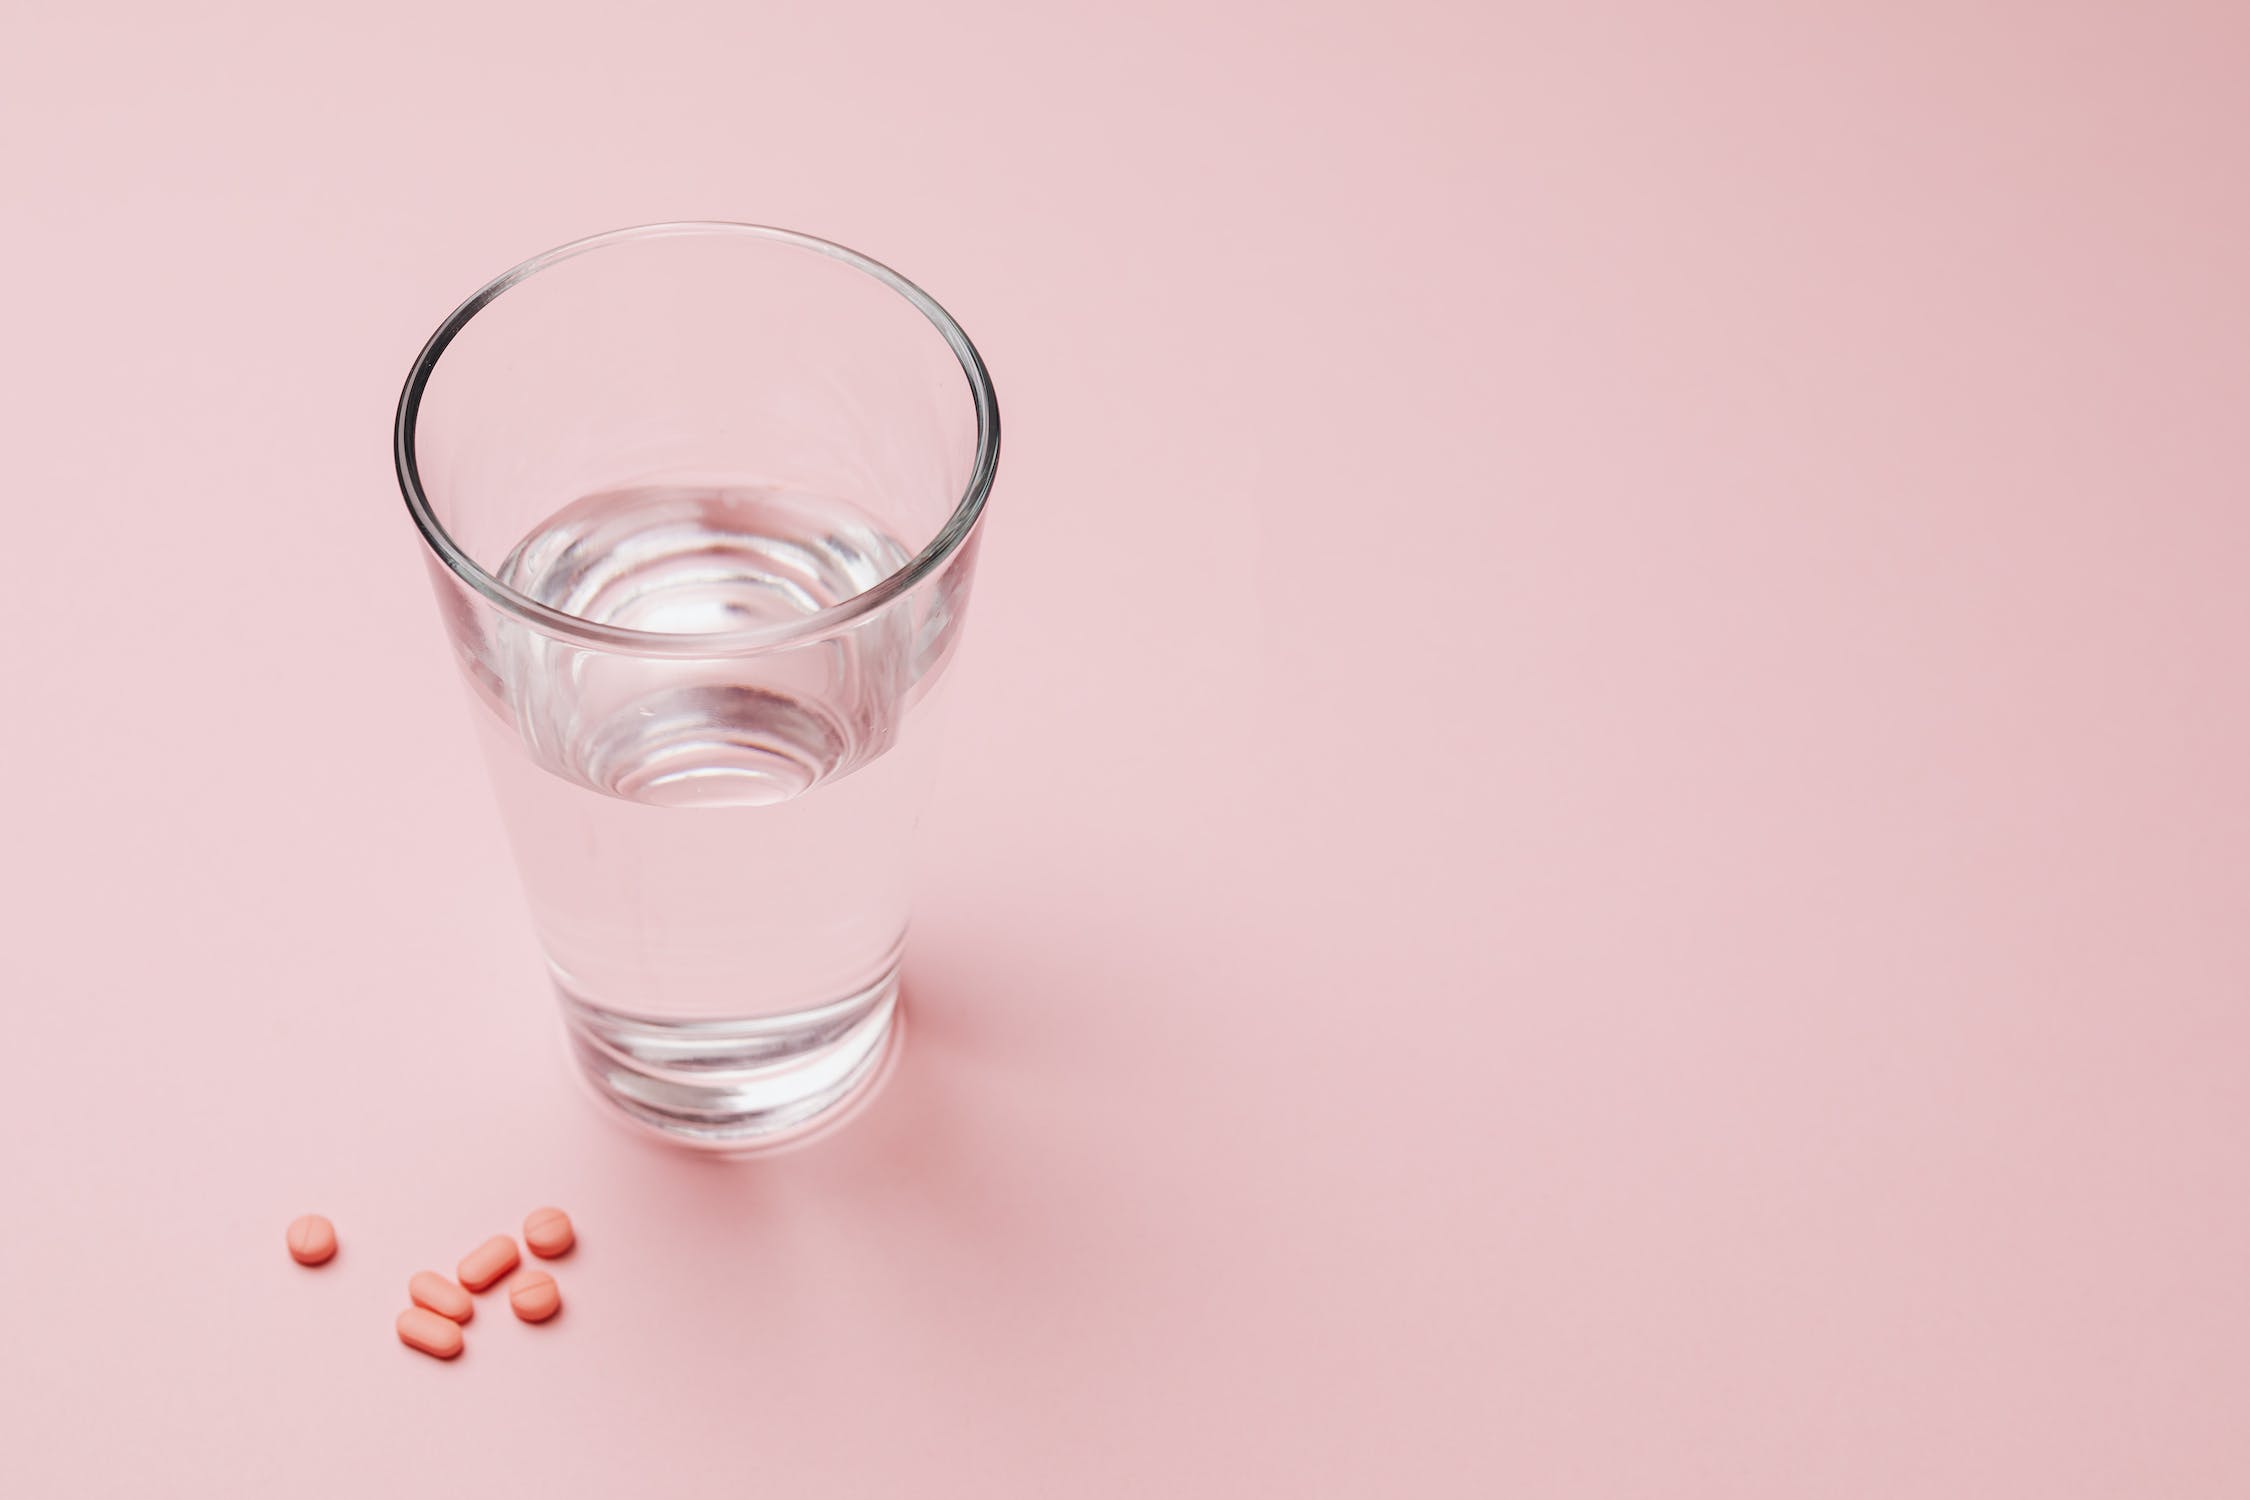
[(1598, 840)]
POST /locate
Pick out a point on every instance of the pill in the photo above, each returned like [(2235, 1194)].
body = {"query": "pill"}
[(489, 1262), (441, 1296), (419, 1328), (547, 1231), (534, 1296), (312, 1239)]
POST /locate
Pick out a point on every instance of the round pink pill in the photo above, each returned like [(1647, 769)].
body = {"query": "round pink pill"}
[(441, 1296), (312, 1239), (489, 1262), (419, 1328), (534, 1296), (547, 1231)]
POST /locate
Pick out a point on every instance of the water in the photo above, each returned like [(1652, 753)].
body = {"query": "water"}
[(715, 851)]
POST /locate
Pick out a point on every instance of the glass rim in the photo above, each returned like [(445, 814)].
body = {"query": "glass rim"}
[(756, 639)]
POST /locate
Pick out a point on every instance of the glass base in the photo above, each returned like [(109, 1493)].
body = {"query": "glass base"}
[(740, 1087)]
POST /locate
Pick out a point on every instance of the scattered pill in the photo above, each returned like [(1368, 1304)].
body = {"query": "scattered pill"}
[(312, 1239), (489, 1262), (534, 1296), (419, 1328), (441, 1296), (547, 1231)]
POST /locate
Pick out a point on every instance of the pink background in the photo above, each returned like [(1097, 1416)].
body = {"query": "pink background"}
[(1598, 840)]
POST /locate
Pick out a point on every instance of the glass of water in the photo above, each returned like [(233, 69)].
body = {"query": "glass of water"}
[(701, 507)]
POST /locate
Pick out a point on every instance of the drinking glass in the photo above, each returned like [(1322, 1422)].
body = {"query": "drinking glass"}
[(701, 507)]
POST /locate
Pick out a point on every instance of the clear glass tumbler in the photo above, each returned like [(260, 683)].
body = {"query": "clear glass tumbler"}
[(701, 508)]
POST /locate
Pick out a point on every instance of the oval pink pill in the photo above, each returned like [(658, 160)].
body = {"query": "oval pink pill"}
[(419, 1328), (312, 1239), (443, 1297), (547, 1231), (489, 1262), (534, 1296)]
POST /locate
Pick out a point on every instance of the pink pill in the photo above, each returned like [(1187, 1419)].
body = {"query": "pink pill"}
[(430, 1290), (312, 1239), (419, 1328), (489, 1262), (534, 1296), (547, 1231)]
